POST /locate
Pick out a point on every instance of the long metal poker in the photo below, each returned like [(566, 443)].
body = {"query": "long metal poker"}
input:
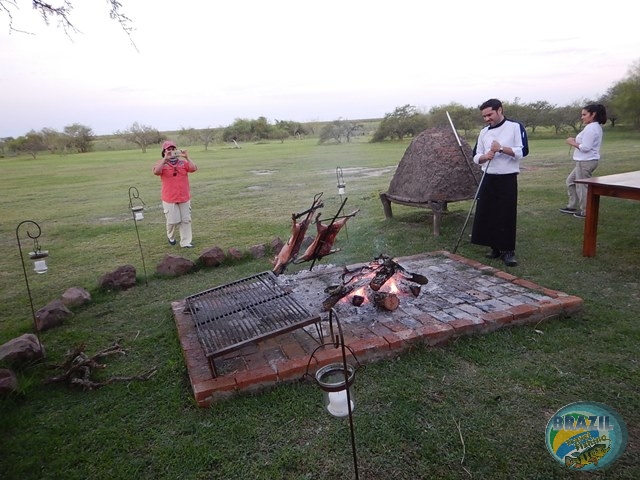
[(475, 198), (455, 132)]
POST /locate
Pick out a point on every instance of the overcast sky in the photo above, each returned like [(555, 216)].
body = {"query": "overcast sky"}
[(202, 63)]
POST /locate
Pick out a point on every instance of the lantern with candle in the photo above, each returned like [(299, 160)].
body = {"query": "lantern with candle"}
[(336, 380), (341, 185), (136, 205), (38, 257)]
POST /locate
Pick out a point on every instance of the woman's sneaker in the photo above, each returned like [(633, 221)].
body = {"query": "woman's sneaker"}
[(568, 211)]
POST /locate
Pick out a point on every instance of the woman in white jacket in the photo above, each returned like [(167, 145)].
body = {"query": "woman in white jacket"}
[(586, 155)]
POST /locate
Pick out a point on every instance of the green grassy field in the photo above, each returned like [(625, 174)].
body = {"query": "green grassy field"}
[(501, 388)]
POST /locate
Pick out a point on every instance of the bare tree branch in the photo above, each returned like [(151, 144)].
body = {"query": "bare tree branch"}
[(62, 14)]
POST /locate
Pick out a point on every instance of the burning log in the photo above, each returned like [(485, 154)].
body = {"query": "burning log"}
[(354, 282), (388, 268), (385, 300), (337, 293)]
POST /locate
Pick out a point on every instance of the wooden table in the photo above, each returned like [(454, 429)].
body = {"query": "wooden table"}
[(620, 185)]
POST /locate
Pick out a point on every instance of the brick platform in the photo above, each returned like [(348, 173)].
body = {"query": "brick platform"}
[(463, 297)]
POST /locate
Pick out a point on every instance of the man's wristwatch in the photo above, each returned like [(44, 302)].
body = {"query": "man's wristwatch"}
[(501, 150)]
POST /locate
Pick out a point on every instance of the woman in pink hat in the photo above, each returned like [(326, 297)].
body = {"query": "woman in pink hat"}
[(173, 169)]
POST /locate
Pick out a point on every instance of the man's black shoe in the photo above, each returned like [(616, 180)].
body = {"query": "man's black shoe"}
[(171, 242), (509, 258), (494, 253)]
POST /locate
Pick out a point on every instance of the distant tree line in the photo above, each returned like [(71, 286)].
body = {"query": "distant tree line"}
[(75, 138), (622, 101), (246, 130)]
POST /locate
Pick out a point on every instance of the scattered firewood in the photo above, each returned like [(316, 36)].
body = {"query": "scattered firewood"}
[(78, 367), (336, 294), (415, 290), (385, 300)]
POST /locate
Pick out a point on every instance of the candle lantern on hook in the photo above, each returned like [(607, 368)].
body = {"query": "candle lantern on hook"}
[(39, 259), (340, 178), (336, 380), (136, 205)]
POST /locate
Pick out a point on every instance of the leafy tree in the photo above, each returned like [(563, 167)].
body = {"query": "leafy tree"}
[(4, 142), (280, 134), (205, 136), (537, 114), (79, 137), (239, 130), (463, 118), (294, 129), (332, 131), (261, 129), (52, 139), (403, 121), (190, 134), (31, 143), (141, 135), (625, 96), (338, 130)]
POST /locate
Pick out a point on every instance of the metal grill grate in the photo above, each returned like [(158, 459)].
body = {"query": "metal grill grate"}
[(245, 311)]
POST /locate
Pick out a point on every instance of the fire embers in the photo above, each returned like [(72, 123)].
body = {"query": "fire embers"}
[(381, 282)]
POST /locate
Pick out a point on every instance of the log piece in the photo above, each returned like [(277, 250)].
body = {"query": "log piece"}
[(385, 300), (336, 295), (357, 300)]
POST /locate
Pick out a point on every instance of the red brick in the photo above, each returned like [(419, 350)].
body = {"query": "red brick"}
[(551, 293), (464, 326), (255, 361), (527, 284), (203, 390), (571, 304), (409, 336), (199, 372), (523, 311), (394, 341), (292, 349), (379, 329), (436, 332), (494, 320), (505, 276), (365, 346), (328, 355), (256, 377), (294, 369), (395, 326), (551, 308)]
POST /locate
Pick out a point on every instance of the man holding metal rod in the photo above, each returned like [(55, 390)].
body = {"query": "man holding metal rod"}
[(500, 147)]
